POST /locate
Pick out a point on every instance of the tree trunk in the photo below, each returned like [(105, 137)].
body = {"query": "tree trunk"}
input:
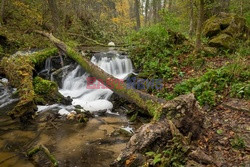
[(2, 12), (191, 24), (241, 7), (151, 105), (155, 10), (137, 14), (54, 14), (199, 27), (170, 3), (146, 12), (164, 4)]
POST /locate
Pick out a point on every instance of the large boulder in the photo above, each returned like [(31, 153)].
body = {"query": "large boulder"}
[(224, 29)]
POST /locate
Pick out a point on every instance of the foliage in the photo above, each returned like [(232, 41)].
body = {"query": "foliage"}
[(216, 81), (152, 48), (174, 154)]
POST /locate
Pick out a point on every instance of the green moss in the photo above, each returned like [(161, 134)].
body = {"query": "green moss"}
[(19, 72), (46, 91), (222, 40), (41, 56), (44, 87)]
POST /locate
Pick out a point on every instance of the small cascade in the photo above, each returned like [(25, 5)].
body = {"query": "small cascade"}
[(75, 83), (48, 65), (6, 94)]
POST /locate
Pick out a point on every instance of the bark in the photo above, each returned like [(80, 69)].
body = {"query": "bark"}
[(191, 24), (137, 14), (199, 27), (241, 7), (148, 103), (184, 118), (146, 12), (2, 12), (155, 10), (54, 13), (164, 4), (170, 3)]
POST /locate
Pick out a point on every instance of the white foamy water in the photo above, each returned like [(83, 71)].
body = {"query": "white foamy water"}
[(75, 82)]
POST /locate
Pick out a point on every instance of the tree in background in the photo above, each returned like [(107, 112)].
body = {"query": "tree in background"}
[(199, 26), (137, 14), (2, 10)]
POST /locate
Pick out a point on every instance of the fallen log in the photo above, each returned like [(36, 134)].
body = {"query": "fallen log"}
[(149, 103)]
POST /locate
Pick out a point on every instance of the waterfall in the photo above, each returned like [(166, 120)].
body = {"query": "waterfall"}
[(75, 82)]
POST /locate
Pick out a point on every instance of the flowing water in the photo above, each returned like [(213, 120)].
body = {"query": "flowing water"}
[(96, 143)]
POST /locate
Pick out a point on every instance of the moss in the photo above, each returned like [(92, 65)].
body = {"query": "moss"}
[(46, 92), (222, 40), (41, 56), (211, 27), (19, 72), (44, 87)]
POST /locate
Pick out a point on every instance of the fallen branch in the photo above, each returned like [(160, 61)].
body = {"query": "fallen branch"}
[(46, 151)]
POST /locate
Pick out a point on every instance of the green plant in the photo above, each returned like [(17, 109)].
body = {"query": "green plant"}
[(238, 143), (240, 90)]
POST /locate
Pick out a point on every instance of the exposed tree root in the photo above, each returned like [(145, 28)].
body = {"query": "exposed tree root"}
[(184, 121)]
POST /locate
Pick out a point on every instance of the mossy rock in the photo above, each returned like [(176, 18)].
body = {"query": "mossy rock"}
[(216, 24), (222, 40), (47, 92)]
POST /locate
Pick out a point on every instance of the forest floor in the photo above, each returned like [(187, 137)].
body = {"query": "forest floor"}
[(226, 136)]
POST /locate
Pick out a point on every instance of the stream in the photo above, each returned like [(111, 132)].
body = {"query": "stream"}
[(95, 143)]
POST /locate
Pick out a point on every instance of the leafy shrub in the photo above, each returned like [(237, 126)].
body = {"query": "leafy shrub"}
[(152, 47)]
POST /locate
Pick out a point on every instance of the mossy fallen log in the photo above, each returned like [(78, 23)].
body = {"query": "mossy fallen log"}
[(147, 102), (19, 71), (46, 151)]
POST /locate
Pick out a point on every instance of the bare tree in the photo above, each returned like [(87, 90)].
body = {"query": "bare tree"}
[(191, 24), (137, 14), (154, 4), (170, 3), (199, 26), (2, 12), (54, 13), (146, 12)]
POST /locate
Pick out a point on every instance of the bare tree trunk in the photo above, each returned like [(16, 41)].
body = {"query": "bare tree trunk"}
[(54, 13), (146, 12), (2, 12), (159, 7), (154, 11), (191, 25), (137, 14), (170, 3), (199, 27), (241, 7)]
